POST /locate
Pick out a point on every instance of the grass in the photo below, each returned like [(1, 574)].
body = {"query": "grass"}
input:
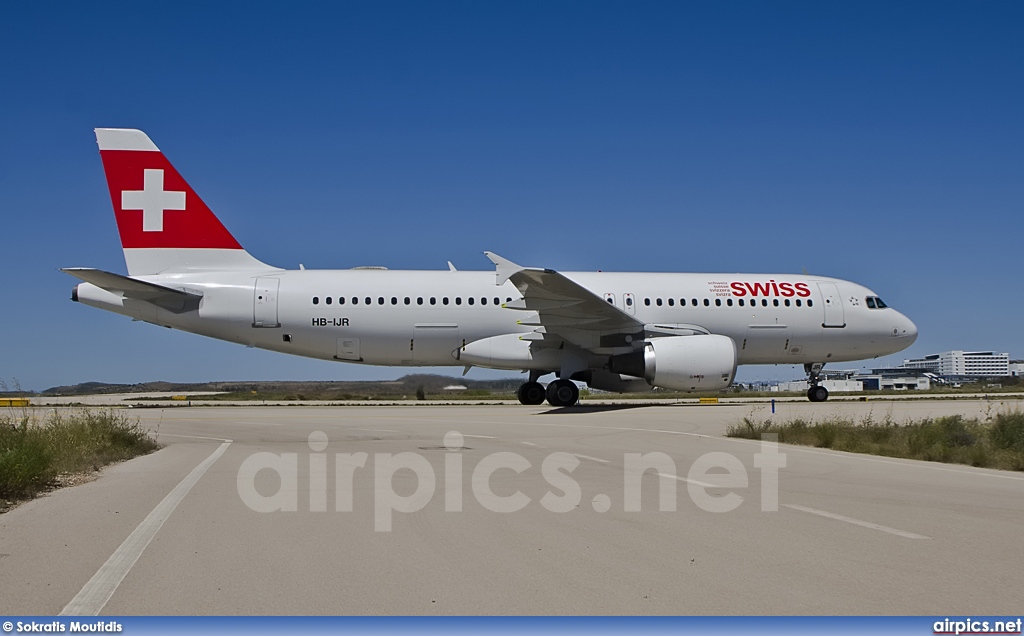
[(993, 442), (34, 453)]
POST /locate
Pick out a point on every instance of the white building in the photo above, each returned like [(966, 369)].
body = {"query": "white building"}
[(963, 363), (1017, 368), (832, 386), (890, 382)]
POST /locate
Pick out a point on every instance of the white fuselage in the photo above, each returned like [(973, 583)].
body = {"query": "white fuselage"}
[(422, 318)]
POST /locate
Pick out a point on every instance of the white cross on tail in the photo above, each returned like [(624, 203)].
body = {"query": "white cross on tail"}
[(152, 199)]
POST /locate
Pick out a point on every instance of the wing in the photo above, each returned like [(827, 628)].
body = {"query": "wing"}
[(562, 309), (173, 300)]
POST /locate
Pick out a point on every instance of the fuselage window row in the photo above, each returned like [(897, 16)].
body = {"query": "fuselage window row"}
[(873, 302), (740, 302), (407, 300)]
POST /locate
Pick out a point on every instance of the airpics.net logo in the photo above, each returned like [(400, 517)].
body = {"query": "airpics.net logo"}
[(270, 482), (977, 626)]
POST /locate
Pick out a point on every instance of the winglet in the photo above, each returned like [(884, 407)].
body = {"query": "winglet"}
[(504, 267)]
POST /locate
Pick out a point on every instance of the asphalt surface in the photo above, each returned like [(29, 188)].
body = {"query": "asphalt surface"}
[(176, 532)]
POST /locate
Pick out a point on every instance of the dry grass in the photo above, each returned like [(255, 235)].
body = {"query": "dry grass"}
[(993, 442), (36, 455)]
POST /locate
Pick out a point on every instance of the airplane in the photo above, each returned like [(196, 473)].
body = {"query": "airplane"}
[(615, 331)]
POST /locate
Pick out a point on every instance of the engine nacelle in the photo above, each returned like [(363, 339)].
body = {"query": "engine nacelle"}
[(682, 363), (508, 352)]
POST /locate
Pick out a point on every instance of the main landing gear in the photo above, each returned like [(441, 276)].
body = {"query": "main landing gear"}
[(816, 393), (558, 393), (531, 393)]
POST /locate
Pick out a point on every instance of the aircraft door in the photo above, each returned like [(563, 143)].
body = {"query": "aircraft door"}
[(833, 305), (629, 304), (264, 308)]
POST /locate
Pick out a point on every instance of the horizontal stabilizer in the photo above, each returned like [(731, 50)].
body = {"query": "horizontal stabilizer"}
[(173, 300)]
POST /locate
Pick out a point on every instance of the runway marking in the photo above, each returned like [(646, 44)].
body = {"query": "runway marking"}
[(95, 594), (215, 439), (593, 459), (702, 484), (532, 444), (374, 430), (857, 522), (479, 436)]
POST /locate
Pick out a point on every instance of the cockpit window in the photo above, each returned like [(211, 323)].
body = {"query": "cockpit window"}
[(870, 302), (879, 303), (874, 302)]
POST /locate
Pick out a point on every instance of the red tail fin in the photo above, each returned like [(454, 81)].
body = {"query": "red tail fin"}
[(164, 225)]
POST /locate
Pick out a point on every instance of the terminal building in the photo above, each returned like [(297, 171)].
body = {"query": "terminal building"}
[(962, 364)]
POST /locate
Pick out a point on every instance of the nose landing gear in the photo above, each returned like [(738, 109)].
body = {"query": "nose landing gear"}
[(816, 393)]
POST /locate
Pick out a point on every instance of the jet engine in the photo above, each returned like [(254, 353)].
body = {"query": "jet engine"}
[(682, 363)]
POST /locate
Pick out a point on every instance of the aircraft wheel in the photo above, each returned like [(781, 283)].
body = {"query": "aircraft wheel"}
[(531, 393), (563, 393), (817, 394)]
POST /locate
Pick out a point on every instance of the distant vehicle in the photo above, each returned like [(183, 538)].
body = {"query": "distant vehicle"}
[(615, 331)]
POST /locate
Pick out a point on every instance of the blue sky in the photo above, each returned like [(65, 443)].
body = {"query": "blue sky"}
[(877, 142)]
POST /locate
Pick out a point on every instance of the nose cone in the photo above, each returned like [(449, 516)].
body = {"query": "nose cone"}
[(905, 330)]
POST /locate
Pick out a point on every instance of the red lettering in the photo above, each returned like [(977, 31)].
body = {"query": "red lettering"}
[(775, 288), (758, 288), (737, 289), (802, 290), (786, 289)]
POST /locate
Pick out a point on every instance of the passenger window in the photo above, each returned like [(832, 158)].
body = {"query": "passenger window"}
[(355, 300), (707, 302), (659, 302), (741, 302), (341, 300), (870, 302), (470, 300), (671, 302), (369, 301), (407, 301), (609, 301), (718, 302), (483, 300), (444, 301), (316, 300), (380, 300), (810, 303), (728, 301), (497, 301), (629, 301), (775, 301), (764, 302), (458, 300), (694, 302), (327, 300), (433, 300), (798, 303), (787, 302), (647, 301), (419, 301), (394, 301), (508, 300)]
